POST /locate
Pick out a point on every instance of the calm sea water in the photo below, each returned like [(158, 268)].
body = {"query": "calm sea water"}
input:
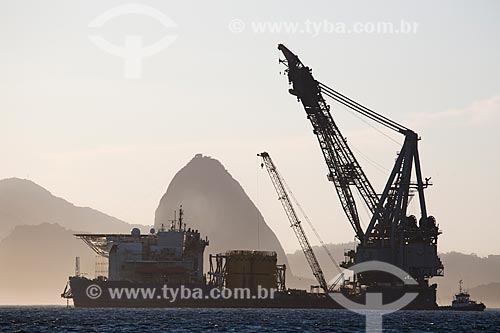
[(60, 319)]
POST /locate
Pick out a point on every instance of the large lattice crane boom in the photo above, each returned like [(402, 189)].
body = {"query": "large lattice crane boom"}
[(391, 236), (284, 197), (343, 167)]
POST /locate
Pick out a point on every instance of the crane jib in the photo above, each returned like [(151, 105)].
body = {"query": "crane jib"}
[(284, 196)]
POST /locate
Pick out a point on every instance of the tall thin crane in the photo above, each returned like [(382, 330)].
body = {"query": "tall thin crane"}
[(391, 235), (284, 197)]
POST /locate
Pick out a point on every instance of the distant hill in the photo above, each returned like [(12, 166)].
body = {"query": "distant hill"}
[(472, 269), (37, 246), (216, 204), (36, 262), (22, 202), (489, 294), (301, 268)]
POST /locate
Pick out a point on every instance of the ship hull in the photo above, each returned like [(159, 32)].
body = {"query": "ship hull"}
[(474, 307), (286, 299)]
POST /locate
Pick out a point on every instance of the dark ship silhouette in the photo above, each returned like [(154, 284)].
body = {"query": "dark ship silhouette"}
[(462, 302)]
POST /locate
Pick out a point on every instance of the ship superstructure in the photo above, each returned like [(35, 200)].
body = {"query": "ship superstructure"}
[(141, 268), (169, 255)]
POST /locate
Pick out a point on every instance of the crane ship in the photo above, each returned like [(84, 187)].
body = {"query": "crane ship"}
[(174, 256), (392, 235)]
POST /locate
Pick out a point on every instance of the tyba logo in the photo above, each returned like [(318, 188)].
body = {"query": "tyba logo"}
[(374, 309), (133, 52)]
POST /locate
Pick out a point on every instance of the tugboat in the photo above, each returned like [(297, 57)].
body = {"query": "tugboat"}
[(462, 301)]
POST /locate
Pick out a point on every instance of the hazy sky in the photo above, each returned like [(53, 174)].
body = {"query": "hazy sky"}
[(71, 121)]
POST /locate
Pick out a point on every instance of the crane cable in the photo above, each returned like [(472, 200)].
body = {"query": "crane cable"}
[(355, 106), (379, 167), (360, 118), (323, 245), (374, 163)]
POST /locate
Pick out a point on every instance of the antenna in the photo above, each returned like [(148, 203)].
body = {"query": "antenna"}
[(181, 214), (77, 266)]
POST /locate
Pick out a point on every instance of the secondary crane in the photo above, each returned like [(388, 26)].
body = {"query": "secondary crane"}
[(391, 235), (284, 195)]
